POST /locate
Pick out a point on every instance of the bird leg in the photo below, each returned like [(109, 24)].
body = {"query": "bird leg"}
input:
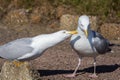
[(94, 74), (74, 73)]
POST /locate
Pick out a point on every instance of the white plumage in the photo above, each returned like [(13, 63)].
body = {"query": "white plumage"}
[(31, 48)]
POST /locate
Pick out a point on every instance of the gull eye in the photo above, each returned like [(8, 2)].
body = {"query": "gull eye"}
[(81, 25), (64, 32)]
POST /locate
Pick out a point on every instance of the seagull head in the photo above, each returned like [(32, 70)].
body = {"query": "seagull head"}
[(65, 34), (83, 24)]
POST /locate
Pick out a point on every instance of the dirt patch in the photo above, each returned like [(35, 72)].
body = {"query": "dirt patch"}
[(61, 59)]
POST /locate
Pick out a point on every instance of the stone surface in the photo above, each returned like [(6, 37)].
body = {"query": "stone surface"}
[(70, 22), (94, 22), (12, 72), (110, 30)]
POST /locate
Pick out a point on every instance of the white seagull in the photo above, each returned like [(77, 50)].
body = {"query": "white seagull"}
[(30, 48), (88, 43)]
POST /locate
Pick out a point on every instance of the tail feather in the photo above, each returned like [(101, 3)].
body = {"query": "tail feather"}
[(113, 44), (110, 45), (1, 57)]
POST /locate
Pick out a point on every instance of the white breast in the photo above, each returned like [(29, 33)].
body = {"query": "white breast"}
[(82, 45)]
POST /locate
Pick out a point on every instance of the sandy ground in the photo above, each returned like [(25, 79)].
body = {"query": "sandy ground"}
[(61, 59)]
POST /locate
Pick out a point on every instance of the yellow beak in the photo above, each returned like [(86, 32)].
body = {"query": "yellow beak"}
[(86, 33), (72, 32)]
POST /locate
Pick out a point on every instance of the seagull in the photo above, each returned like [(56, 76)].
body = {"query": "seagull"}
[(88, 43), (32, 47)]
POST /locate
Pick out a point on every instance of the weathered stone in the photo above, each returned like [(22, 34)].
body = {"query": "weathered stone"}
[(94, 22), (12, 72), (110, 30), (70, 22)]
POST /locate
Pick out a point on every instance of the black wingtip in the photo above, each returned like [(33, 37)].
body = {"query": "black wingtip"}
[(112, 44), (109, 49)]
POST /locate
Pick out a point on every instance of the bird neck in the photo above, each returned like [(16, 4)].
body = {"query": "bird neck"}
[(48, 40), (53, 39), (82, 33)]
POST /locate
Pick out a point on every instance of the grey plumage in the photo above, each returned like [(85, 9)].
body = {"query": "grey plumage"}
[(16, 48), (100, 43)]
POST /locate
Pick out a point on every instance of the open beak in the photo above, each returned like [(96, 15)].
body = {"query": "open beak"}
[(72, 32), (86, 33)]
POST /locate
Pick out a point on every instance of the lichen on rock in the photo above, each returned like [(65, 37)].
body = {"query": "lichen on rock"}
[(12, 72)]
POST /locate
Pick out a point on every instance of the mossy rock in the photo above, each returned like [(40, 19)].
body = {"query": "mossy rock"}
[(110, 31)]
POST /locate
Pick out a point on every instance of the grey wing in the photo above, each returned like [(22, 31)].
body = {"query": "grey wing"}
[(100, 43), (16, 48), (74, 38)]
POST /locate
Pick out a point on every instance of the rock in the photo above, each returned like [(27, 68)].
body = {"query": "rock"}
[(110, 30), (94, 22), (12, 72), (70, 22)]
